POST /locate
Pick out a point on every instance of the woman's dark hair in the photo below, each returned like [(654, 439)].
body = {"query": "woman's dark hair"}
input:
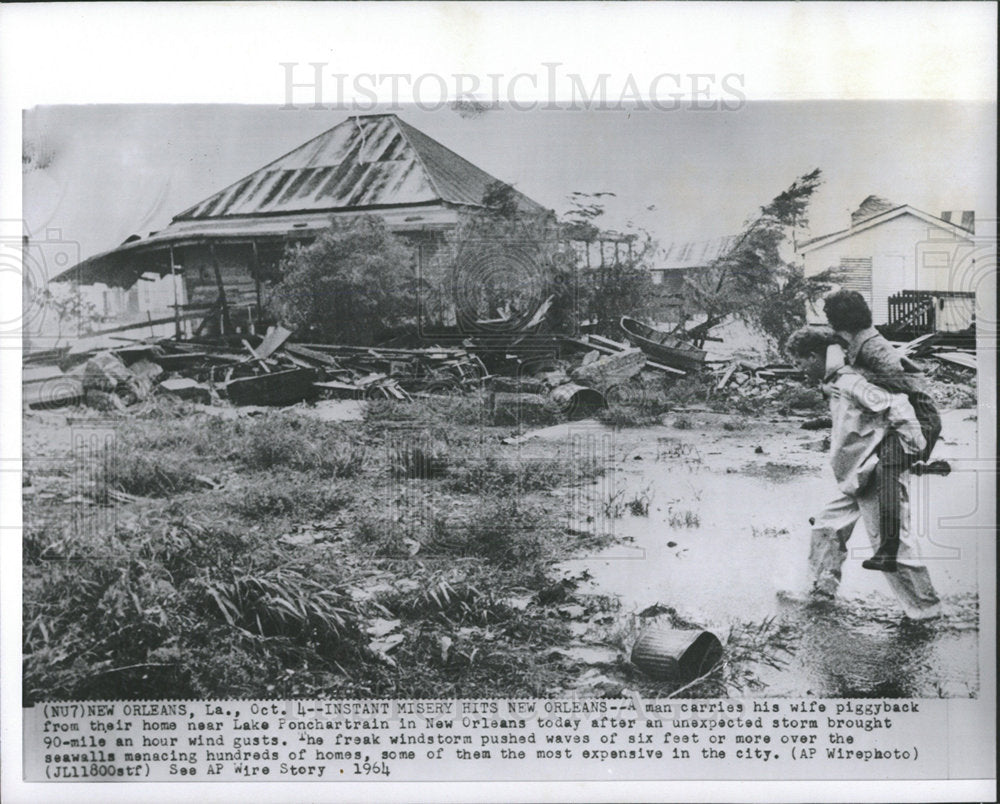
[(847, 311), (809, 341)]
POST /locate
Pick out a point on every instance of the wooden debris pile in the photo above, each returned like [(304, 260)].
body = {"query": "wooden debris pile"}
[(248, 371), (741, 374), (956, 349)]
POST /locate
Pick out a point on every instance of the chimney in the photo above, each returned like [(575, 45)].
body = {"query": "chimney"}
[(964, 219), (873, 205)]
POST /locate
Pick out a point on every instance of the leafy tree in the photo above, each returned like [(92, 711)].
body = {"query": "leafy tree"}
[(617, 287), (353, 285), (753, 280), (69, 308), (508, 261)]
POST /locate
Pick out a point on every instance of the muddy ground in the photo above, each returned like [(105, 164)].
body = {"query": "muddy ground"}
[(699, 521)]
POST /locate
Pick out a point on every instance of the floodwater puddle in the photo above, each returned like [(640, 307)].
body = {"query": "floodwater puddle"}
[(725, 540)]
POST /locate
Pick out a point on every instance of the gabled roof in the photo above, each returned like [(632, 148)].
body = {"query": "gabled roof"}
[(370, 161), (882, 217)]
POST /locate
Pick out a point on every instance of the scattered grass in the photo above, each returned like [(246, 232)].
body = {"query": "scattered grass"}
[(420, 458), (529, 410), (299, 495), (126, 612), (190, 591), (471, 409), (682, 423), (774, 472), (146, 475), (639, 504), (683, 519), (768, 532), (275, 440), (613, 505), (489, 467)]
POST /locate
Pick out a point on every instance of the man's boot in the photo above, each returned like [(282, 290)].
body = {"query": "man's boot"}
[(884, 559)]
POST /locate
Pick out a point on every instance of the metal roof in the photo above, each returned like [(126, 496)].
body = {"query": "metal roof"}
[(680, 255), (369, 162), (366, 161)]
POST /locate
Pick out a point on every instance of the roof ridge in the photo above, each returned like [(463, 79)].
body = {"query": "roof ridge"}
[(401, 126), (410, 132), (263, 167), (881, 217)]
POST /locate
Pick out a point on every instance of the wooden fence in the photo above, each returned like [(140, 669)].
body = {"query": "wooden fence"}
[(914, 312)]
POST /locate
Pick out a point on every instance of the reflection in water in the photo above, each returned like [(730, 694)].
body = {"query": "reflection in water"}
[(743, 539), (857, 649)]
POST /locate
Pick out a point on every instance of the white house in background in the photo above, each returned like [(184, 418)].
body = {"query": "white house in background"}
[(900, 258)]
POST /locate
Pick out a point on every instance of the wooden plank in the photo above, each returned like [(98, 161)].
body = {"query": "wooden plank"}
[(311, 354), (959, 359), (273, 340), (667, 369), (726, 376), (256, 356), (911, 346), (621, 347)]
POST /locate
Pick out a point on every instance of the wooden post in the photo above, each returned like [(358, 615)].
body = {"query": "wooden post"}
[(177, 309), (256, 279), (226, 323)]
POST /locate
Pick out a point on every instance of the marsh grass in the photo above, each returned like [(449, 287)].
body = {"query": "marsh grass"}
[(190, 590)]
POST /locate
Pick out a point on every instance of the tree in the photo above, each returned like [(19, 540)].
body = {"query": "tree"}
[(507, 262), (353, 285), (752, 280), (622, 286), (69, 307)]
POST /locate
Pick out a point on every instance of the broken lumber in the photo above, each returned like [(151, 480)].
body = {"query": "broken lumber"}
[(610, 370), (958, 358), (273, 340), (727, 376)]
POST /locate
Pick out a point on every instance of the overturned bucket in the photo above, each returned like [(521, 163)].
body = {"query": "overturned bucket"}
[(665, 653), (578, 402)]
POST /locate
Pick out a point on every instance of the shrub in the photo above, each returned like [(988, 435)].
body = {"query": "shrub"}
[(352, 285), (277, 441), (282, 603), (422, 458), (506, 532)]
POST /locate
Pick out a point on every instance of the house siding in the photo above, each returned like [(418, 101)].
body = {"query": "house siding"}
[(905, 253)]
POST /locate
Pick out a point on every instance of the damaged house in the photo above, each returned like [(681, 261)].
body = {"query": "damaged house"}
[(228, 247)]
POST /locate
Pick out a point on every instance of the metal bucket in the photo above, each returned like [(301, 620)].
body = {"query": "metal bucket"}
[(665, 653), (578, 402)]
